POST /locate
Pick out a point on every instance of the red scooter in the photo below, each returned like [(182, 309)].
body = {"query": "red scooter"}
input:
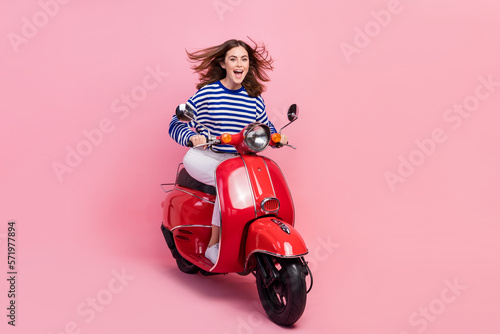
[(257, 233)]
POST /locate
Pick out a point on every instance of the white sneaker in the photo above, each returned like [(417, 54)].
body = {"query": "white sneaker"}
[(212, 253)]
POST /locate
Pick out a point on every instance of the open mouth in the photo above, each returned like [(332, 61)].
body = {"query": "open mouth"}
[(238, 74)]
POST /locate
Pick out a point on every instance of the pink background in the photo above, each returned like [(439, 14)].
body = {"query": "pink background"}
[(383, 257)]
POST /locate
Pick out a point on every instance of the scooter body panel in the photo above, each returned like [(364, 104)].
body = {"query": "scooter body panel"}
[(273, 236), (237, 207), (187, 213), (242, 183)]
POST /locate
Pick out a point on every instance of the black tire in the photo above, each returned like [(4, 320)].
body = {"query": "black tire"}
[(285, 299), (185, 266)]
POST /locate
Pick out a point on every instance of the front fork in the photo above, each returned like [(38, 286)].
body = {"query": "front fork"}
[(270, 273)]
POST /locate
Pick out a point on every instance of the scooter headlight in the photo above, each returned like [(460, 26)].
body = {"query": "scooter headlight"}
[(257, 136)]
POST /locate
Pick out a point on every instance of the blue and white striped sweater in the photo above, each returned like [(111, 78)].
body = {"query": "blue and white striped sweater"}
[(222, 111)]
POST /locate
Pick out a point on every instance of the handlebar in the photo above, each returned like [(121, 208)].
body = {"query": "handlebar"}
[(209, 141), (217, 141)]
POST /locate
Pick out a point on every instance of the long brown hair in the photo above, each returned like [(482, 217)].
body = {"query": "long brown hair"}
[(206, 62)]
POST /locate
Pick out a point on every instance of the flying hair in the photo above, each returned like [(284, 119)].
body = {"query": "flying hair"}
[(207, 63)]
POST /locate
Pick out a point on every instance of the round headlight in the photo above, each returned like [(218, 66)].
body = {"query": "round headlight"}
[(257, 136)]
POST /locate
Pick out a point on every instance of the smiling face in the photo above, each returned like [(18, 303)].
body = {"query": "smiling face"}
[(236, 65)]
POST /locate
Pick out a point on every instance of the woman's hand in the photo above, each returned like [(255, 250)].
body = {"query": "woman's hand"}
[(284, 139), (198, 140)]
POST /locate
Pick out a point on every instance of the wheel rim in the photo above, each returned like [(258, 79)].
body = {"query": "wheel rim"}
[(277, 294)]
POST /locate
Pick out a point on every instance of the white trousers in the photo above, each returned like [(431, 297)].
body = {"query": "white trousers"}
[(201, 165)]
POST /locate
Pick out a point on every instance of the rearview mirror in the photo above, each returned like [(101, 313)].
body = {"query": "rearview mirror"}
[(184, 113), (293, 113)]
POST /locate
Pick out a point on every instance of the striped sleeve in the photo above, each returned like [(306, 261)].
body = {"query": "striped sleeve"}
[(180, 131)]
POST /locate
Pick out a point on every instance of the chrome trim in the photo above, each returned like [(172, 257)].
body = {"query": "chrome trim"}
[(251, 188), (167, 184), (250, 127), (273, 254), (171, 183), (282, 225), (177, 173), (181, 226), (187, 192), (267, 199)]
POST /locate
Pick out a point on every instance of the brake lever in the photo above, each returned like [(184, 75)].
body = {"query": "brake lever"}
[(279, 145)]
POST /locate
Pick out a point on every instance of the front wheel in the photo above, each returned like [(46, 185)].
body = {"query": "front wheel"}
[(284, 299)]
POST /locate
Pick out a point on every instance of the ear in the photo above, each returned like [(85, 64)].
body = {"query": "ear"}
[(222, 65)]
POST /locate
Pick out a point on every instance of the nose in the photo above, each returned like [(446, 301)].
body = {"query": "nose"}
[(239, 63)]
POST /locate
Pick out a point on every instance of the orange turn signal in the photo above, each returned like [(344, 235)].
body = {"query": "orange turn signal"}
[(276, 137), (225, 138)]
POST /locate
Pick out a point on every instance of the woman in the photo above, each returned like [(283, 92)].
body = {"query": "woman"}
[(228, 99)]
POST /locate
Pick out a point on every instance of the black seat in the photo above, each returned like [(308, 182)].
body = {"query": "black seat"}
[(186, 180)]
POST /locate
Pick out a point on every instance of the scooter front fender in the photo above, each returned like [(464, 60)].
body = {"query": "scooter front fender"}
[(273, 236)]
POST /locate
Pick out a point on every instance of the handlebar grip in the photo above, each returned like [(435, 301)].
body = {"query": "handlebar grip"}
[(190, 143)]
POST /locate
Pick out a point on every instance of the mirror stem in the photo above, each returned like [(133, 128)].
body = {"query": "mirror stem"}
[(287, 125)]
